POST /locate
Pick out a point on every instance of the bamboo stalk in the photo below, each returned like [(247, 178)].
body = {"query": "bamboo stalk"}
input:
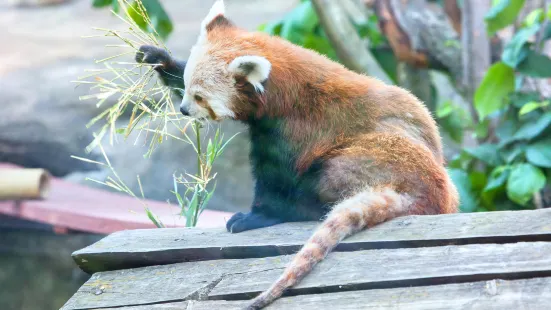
[(24, 184)]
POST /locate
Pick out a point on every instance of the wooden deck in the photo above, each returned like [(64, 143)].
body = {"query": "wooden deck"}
[(497, 260)]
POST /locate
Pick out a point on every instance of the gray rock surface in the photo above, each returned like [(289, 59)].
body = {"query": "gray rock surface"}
[(43, 123)]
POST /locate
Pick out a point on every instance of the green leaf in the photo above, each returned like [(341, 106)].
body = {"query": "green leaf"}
[(478, 180), (523, 182), (519, 99), (536, 16), (373, 32), (497, 178), (159, 18), (531, 106), (506, 130), (320, 45), (444, 109), (514, 153), (453, 126), (154, 219), (515, 51), (535, 65), (531, 130), (102, 3), (207, 198), (273, 29), (502, 14), (388, 62), (468, 201), (539, 153), (460, 161), (490, 96), (115, 6), (481, 129), (487, 153), (192, 207), (299, 22)]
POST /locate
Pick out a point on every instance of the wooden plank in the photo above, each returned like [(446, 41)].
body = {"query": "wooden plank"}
[(484, 295), (169, 306), (344, 271), (135, 248)]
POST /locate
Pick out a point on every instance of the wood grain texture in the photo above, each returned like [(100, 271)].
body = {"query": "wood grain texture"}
[(345, 271), (168, 306), (485, 295), (144, 247)]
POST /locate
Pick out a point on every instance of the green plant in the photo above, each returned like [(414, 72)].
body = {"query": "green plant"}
[(134, 87), (159, 22), (513, 163)]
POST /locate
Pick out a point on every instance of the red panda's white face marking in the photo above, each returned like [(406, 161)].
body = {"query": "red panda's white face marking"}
[(211, 81), (209, 88), (208, 91)]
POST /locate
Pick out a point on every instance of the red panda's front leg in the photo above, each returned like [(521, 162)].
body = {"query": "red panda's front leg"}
[(171, 71)]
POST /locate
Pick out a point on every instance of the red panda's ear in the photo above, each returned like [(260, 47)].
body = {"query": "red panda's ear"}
[(255, 69), (214, 18)]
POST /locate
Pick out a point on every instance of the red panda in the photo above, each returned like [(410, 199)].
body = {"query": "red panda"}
[(326, 142)]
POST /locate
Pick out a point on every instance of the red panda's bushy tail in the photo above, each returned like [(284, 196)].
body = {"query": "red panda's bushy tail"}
[(364, 209)]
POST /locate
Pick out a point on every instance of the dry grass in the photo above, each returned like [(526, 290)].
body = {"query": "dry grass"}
[(136, 89)]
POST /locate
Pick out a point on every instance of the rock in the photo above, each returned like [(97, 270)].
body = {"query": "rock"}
[(45, 121)]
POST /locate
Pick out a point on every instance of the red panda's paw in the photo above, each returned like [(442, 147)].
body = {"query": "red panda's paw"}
[(240, 222), (152, 55)]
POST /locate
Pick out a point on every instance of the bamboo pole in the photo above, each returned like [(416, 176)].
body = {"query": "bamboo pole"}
[(23, 183)]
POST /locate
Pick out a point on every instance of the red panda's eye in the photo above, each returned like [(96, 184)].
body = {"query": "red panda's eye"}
[(198, 98)]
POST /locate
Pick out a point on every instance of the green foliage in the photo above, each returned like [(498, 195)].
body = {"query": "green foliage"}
[(301, 26), (539, 153), (535, 65), (197, 186), (161, 24), (490, 96), (518, 158), (453, 120), (532, 106), (523, 182), (515, 50), (502, 14)]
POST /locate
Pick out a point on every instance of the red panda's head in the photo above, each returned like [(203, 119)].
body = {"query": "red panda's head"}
[(220, 68)]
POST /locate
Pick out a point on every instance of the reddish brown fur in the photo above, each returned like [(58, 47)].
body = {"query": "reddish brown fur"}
[(380, 147), (345, 101)]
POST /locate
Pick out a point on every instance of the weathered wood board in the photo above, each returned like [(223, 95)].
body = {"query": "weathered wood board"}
[(484, 295), (234, 279), (135, 248)]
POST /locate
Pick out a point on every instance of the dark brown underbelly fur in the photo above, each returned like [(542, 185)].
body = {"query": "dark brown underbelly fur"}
[(279, 189)]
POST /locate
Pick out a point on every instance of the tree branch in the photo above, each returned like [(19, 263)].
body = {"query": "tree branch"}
[(344, 38)]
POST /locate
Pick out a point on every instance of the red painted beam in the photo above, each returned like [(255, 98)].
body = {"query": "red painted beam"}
[(78, 207)]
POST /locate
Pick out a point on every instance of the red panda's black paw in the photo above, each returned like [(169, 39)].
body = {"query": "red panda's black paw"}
[(152, 55), (240, 222)]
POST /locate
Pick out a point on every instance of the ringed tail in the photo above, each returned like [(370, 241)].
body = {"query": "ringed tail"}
[(362, 210)]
